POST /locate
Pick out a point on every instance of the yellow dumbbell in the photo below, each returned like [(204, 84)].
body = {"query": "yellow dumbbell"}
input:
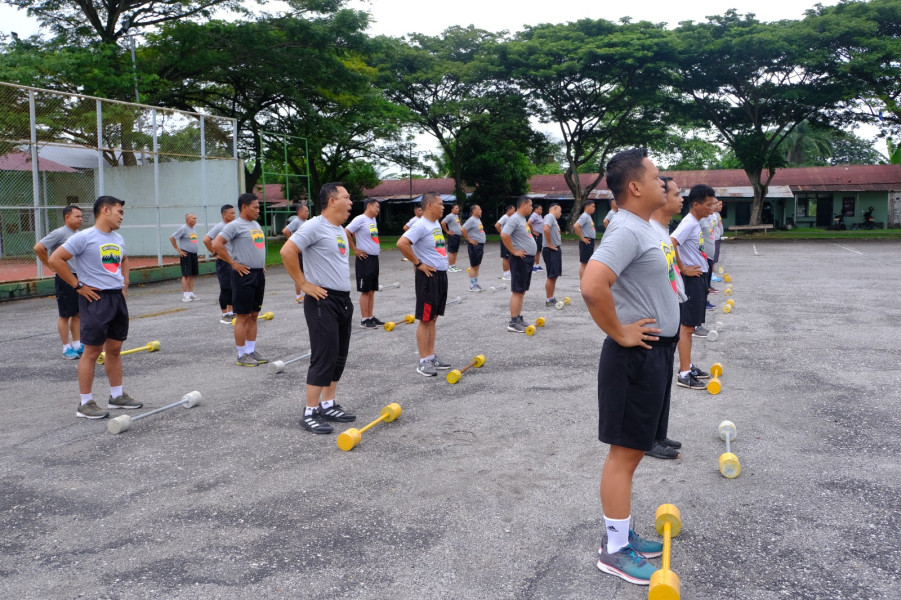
[(665, 584), (455, 375), (349, 440), (561, 303), (714, 386), (266, 316), (148, 347), (727, 278), (390, 325), (730, 467), (728, 290)]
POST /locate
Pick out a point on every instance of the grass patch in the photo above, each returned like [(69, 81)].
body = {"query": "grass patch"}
[(822, 234)]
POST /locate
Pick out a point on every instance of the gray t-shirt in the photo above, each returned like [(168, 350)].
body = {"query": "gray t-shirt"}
[(429, 244), (536, 222), (691, 242), (551, 222), (98, 258), (718, 228), (475, 230), (215, 230), (631, 248), (246, 243), (503, 220), (675, 277), (325, 254), (609, 217), (57, 238), (586, 223), (453, 224), (295, 224), (520, 234), (366, 234), (708, 227), (186, 238), (412, 222)]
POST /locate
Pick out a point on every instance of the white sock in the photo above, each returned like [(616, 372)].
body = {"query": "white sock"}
[(506, 273), (241, 351), (249, 346), (617, 534), (308, 410), (85, 398), (550, 299), (115, 391), (327, 404), (684, 373), (77, 345), (66, 347), (187, 294)]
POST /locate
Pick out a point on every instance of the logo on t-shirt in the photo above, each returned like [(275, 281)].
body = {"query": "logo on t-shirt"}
[(193, 238), (482, 229), (374, 232), (259, 240), (701, 244), (342, 245), (670, 254), (439, 242), (111, 257)]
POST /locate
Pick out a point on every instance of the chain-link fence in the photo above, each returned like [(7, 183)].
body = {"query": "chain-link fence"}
[(58, 149)]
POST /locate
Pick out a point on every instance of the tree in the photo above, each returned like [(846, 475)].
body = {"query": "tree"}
[(807, 145), (754, 83), (597, 81), (441, 81), (682, 150)]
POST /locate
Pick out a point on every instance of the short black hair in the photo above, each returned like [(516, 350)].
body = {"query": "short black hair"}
[(522, 200), (699, 193), (553, 205), (246, 200), (624, 167), (588, 203), (328, 190), (509, 206), (225, 207), (429, 198), (369, 201), (104, 201), (68, 210)]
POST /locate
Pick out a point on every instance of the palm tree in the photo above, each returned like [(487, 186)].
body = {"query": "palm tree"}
[(807, 146)]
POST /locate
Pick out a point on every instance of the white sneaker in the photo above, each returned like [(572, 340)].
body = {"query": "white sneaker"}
[(192, 296), (186, 299)]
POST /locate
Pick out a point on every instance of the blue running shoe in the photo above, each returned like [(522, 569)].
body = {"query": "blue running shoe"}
[(642, 547), (710, 306), (626, 564), (716, 278), (71, 353)]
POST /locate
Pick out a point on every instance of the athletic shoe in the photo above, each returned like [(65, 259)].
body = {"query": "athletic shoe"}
[(642, 547), (377, 322), (671, 443), (440, 365), (662, 451), (186, 299), (315, 423), (367, 324), (710, 306), (454, 269), (91, 411), (698, 373), (71, 353), (550, 303), (716, 278), (690, 382), (123, 401), (427, 369), (336, 413), (258, 358), (535, 268), (538, 268), (475, 288), (626, 564), (80, 350), (700, 332), (225, 319), (193, 297), (505, 277), (515, 326), (713, 291), (246, 360)]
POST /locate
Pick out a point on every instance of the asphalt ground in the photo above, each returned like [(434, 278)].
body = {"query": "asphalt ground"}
[(483, 489)]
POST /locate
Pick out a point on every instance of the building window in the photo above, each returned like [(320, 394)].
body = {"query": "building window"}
[(848, 207), (802, 204)]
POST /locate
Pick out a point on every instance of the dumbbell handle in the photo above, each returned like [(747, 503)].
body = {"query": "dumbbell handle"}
[(667, 545), (373, 424), (467, 367), (294, 360), (160, 409), (141, 349), (728, 444), (455, 300)]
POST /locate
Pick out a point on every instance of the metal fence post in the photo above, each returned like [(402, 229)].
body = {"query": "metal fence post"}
[(35, 176), (203, 186), (100, 182), (156, 190)]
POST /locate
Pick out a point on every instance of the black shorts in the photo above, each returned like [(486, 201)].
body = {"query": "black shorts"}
[(585, 251), (189, 267), (431, 295), (247, 292), (224, 274), (633, 384), (66, 297), (521, 273), (693, 310), (716, 251), (366, 271), (329, 323), (103, 319), (475, 254), (504, 252), (453, 244), (539, 240), (553, 262)]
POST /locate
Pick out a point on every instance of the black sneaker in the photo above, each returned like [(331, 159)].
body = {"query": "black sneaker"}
[(690, 382), (367, 324), (316, 423), (377, 322), (700, 332), (671, 443), (698, 373), (336, 413), (662, 451)]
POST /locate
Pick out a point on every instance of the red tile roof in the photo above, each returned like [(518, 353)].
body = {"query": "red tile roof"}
[(400, 188)]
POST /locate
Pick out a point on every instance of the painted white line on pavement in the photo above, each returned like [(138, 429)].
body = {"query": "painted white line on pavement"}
[(848, 249)]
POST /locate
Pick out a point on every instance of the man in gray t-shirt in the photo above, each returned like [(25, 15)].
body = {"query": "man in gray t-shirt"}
[(242, 245), (628, 294), (363, 236), (184, 240), (327, 310), (610, 214), (552, 253), (474, 234), (584, 228), (505, 254), (223, 270), (536, 224), (516, 235), (66, 298), (303, 213), (452, 232)]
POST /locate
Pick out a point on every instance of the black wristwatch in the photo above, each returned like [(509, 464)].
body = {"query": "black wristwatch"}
[(416, 266), (79, 285)]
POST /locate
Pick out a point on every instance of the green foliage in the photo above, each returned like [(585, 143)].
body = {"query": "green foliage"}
[(682, 150), (894, 152)]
